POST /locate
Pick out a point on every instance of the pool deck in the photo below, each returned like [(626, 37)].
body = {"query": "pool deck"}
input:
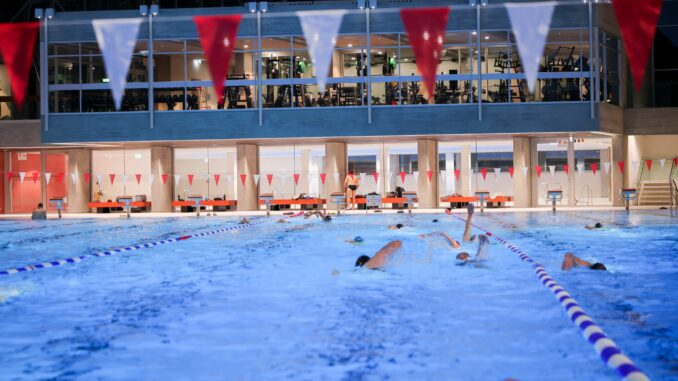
[(203, 214)]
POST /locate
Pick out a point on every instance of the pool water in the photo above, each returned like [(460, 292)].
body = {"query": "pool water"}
[(283, 301)]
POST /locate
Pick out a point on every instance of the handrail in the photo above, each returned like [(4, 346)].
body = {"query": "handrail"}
[(674, 196), (589, 193)]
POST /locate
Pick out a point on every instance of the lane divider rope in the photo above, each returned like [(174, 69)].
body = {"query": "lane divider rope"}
[(108, 253), (608, 351)]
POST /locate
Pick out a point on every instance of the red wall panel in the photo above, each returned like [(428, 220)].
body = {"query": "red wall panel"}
[(26, 195)]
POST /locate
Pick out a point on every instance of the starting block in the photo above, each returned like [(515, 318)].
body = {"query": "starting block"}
[(629, 194), (58, 203), (267, 197), (197, 199), (338, 198), (482, 196), (127, 201), (555, 195)]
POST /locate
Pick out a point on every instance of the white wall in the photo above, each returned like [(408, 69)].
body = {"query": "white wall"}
[(122, 162)]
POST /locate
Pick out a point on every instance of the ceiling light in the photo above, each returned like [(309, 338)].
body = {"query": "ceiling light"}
[(245, 46), (474, 33), (487, 37), (350, 45)]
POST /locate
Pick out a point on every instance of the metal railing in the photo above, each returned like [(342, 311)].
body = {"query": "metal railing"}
[(674, 198), (586, 191)]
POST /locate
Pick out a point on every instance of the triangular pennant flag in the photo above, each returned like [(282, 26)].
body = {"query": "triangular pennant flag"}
[(470, 171), (402, 176), (594, 168), (60, 177), (151, 177), (552, 169), (566, 168), (176, 180), (511, 170), (524, 170), (22, 176), (457, 173), (190, 180), (363, 177), (530, 24), (426, 31), (48, 176), (497, 171), (117, 38), (164, 178), (138, 176), (35, 177), (637, 22), (580, 168), (217, 37), (9, 176), (675, 161), (296, 178), (124, 178), (216, 178), (416, 176), (323, 177), (16, 48), (429, 175), (538, 169), (269, 177), (320, 30), (662, 162), (606, 167), (443, 174), (243, 178), (648, 162), (256, 179), (483, 171), (620, 165), (336, 177), (111, 176), (375, 175), (74, 178)]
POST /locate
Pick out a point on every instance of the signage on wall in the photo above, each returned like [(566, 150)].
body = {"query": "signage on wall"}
[(563, 142), (22, 156)]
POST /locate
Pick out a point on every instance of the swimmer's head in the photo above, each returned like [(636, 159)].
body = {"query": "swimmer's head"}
[(463, 256), (598, 266), (350, 173), (40, 205), (327, 219), (358, 239), (360, 262), (598, 225), (435, 220), (399, 226)]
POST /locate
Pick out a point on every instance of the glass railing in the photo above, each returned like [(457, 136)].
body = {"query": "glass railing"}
[(657, 171)]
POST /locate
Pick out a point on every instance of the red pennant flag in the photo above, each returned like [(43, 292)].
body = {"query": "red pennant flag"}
[(112, 177), (9, 176), (594, 167), (402, 176), (648, 162), (483, 171), (217, 37), (538, 169), (429, 174), (60, 177), (675, 161), (87, 176), (35, 177), (511, 169), (566, 168), (216, 179), (296, 179), (457, 173), (243, 177), (376, 177), (426, 30), (190, 180), (164, 178), (16, 47), (138, 176), (620, 164), (638, 22), (269, 177), (323, 176)]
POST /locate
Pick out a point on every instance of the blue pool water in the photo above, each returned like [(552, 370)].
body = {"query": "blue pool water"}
[(282, 301)]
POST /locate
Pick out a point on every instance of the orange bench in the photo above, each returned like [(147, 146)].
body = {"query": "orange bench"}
[(213, 203)]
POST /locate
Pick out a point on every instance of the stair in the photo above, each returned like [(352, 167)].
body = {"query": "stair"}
[(654, 193)]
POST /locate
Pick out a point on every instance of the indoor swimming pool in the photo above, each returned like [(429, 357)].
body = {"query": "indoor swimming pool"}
[(283, 301)]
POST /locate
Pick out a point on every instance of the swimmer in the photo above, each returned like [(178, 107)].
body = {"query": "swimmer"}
[(481, 254), (244, 221), (453, 242), (469, 221), (382, 256), (598, 225), (570, 261), (396, 227), (39, 213), (322, 215), (351, 185), (283, 221), (435, 220), (356, 240)]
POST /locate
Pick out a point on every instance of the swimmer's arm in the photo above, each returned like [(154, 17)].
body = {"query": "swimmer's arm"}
[(571, 261), (379, 259)]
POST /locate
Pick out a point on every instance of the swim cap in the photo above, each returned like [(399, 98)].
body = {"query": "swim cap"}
[(399, 226), (327, 219), (598, 266), (598, 225), (358, 239), (435, 220), (360, 262)]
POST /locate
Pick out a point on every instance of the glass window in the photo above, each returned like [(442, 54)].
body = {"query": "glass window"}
[(365, 160), (64, 101), (102, 100), (25, 194), (64, 70), (207, 172), (293, 170), (63, 49), (115, 174), (552, 154)]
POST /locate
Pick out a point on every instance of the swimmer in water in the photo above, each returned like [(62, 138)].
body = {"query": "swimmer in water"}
[(597, 226), (244, 221), (453, 242), (356, 241), (382, 256), (570, 261), (469, 221), (283, 221), (481, 254), (396, 227), (322, 215)]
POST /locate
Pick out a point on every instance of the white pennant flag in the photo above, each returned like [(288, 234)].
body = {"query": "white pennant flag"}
[(497, 171), (470, 171), (176, 180), (124, 178), (530, 24), (552, 169), (580, 168), (48, 176), (416, 176), (443, 174), (116, 38), (662, 162), (320, 30), (22, 175), (606, 166), (524, 169), (256, 179), (363, 177), (99, 178), (74, 178), (150, 178), (634, 165)]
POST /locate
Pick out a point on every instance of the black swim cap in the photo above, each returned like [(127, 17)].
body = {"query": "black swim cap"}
[(598, 266), (435, 220), (598, 225), (327, 219), (399, 226), (360, 262), (358, 239)]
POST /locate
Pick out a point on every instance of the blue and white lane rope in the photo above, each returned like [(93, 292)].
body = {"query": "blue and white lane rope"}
[(606, 348), (108, 253)]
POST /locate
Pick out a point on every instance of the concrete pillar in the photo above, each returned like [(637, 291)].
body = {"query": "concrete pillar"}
[(336, 161), (248, 164), (535, 186), (7, 184), (617, 179), (79, 163), (465, 177), (427, 156), (522, 185), (162, 163), (571, 181)]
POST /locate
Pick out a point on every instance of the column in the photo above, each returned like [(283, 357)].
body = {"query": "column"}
[(162, 163), (7, 183), (79, 194), (336, 161), (522, 184), (617, 179), (465, 177), (427, 156), (248, 165), (571, 187)]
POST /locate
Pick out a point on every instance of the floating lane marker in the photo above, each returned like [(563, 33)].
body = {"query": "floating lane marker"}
[(604, 346), (108, 253)]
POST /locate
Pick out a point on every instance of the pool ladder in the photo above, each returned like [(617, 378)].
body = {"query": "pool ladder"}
[(585, 190)]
